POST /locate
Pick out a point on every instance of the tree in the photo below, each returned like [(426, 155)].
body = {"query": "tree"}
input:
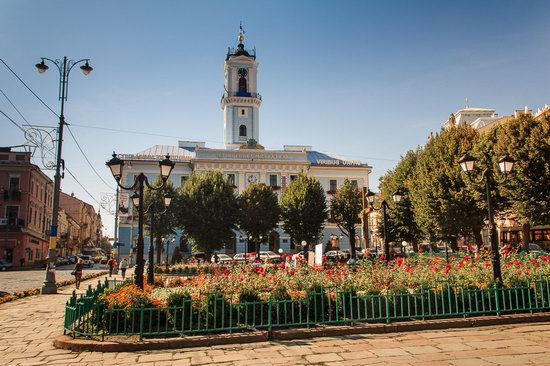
[(260, 211), (346, 208), (303, 209), (443, 205), (163, 224), (527, 141), (401, 220), (207, 210)]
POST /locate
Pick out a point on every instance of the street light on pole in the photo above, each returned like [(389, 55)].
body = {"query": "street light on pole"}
[(396, 197), (505, 163), (116, 166), (64, 66)]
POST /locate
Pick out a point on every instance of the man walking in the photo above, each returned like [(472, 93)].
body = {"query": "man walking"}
[(111, 263)]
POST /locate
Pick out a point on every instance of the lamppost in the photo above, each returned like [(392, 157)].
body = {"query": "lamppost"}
[(116, 165), (64, 66), (151, 208), (505, 164), (396, 197)]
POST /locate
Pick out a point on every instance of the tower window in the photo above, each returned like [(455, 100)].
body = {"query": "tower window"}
[(242, 131), (243, 85), (333, 186)]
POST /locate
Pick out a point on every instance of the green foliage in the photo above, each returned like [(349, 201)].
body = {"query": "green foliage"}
[(260, 210), (208, 210), (346, 208), (304, 209), (402, 223), (163, 224), (527, 140), (444, 207)]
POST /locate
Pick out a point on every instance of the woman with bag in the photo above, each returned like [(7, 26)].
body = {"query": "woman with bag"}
[(77, 272)]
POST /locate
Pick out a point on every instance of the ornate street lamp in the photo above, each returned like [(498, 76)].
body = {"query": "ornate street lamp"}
[(140, 181), (64, 66), (396, 197), (505, 163)]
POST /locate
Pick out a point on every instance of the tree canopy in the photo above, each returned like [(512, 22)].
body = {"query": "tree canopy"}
[(444, 207), (346, 208), (260, 211), (163, 224), (208, 210), (304, 209), (401, 219)]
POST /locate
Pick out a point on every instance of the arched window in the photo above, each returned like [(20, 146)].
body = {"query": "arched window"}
[(242, 85), (242, 130)]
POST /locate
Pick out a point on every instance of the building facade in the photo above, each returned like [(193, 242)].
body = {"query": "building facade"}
[(26, 195), (243, 160), (83, 225)]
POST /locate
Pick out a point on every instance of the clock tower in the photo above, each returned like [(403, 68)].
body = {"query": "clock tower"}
[(240, 101)]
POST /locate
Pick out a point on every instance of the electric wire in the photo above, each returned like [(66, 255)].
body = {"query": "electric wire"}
[(66, 124), (28, 88), (85, 157), (13, 105), (67, 169)]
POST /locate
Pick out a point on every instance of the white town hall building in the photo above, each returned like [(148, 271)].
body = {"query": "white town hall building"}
[(243, 160)]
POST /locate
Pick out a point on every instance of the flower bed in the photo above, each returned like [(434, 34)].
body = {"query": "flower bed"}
[(36, 291), (222, 299)]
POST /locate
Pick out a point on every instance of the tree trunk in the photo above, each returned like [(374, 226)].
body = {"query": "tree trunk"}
[(454, 244), (351, 232), (158, 248), (526, 236), (478, 237), (415, 246)]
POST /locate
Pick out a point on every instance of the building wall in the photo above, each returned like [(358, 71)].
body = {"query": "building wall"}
[(25, 237)]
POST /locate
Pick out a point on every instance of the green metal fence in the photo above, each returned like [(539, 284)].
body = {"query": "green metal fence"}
[(213, 313)]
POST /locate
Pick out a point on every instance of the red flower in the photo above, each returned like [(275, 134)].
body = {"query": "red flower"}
[(466, 258)]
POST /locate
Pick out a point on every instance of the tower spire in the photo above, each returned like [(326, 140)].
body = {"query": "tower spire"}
[(240, 37)]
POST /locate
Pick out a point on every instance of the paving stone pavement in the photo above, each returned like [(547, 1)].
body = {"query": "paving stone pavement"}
[(28, 327)]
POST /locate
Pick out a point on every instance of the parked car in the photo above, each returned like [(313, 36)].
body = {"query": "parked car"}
[(535, 249), (62, 261), (4, 265), (240, 257), (222, 258), (72, 259), (87, 260), (337, 256), (104, 259)]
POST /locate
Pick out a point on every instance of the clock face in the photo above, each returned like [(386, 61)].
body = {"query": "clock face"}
[(252, 179), (243, 73)]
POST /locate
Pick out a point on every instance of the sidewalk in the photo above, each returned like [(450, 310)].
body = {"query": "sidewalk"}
[(28, 327)]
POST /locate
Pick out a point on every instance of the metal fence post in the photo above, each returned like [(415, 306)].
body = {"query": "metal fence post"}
[(141, 316)]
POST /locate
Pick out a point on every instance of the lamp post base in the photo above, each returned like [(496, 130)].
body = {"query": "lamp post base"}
[(49, 286)]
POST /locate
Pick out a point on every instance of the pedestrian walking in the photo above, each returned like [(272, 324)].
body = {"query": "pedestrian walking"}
[(111, 263), (77, 272), (123, 265)]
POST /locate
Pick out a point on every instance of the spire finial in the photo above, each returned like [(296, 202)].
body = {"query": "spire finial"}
[(240, 37)]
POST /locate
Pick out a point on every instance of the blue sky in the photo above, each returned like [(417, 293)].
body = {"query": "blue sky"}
[(368, 80)]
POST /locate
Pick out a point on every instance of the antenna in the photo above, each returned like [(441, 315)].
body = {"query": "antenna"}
[(467, 106)]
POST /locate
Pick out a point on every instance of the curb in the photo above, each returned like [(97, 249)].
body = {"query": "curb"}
[(129, 344)]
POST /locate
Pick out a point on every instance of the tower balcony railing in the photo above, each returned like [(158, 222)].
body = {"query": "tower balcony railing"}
[(242, 94)]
